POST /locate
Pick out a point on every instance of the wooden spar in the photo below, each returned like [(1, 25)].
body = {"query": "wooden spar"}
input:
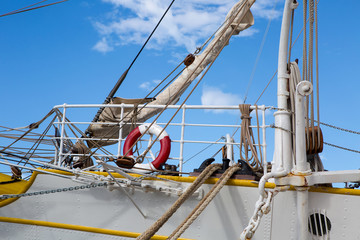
[(241, 18), (238, 19), (123, 76), (111, 94)]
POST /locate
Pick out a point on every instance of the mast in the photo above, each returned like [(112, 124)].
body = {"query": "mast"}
[(283, 158)]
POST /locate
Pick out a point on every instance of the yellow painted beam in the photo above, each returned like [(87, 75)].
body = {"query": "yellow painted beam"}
[(79, 228)]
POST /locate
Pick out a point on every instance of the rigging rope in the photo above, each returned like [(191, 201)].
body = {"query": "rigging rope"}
[(292, 45), (193, 89), (28, 6), (204, 202), (229, 21), (310, 67), (123, 76), (153, 31), (31, 127), (37, 143), (317, 69), (291, 36), (208, 146), (8, 129), (29, 9), (266, 87), (259, 54), (209, 170), (136, 110)]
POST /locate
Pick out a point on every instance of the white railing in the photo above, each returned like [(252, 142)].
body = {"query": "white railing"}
[(178, 122)]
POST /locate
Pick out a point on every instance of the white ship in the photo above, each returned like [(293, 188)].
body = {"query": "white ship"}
[(121, 176)]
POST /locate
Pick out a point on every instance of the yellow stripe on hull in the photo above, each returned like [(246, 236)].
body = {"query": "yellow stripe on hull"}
[(22, 186), (79, 228)]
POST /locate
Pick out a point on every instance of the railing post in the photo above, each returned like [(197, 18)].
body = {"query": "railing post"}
[(61, 155), (121, 123), (263, 145), (181, 157), (229, 149)]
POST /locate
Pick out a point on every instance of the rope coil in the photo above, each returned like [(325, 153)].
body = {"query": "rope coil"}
[(247, 140)]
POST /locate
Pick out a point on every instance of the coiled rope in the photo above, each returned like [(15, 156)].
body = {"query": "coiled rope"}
[(247, 141)]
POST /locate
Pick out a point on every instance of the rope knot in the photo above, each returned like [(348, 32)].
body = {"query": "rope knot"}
[(245, 116)]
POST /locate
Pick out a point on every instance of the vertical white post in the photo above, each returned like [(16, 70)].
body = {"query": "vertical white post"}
[(303, 89), (61, 155), (181, 157), (263, 145), (120, 129), (57, 150), (283, 147), (302, 212), (302, 167), (229, 149)]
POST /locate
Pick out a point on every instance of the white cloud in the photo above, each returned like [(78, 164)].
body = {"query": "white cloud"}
[(248, 32), (148, 86), (266, 9), (103, 46), (215, 96), (187, 24), (145, 85)]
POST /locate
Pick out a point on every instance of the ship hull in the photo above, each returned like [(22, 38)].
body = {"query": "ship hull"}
[(108, 213)]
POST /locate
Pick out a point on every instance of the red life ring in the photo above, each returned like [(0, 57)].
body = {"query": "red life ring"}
[(165, 145)]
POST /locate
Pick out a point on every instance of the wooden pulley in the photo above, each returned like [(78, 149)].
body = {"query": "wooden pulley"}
[(125, 162), (314, 140), (16, 172), (189, 59)]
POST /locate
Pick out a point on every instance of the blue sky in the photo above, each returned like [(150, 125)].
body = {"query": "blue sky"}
[(74, 52)]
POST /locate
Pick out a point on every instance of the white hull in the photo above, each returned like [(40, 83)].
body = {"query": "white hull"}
[(225, 217)]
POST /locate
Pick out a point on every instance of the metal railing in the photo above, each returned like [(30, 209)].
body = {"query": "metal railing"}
[(178, 122)]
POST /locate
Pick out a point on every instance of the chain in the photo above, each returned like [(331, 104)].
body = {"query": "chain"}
[(343, 148), (339, 128), (254, 220), (322, 123), (281, 109), (92, 185), (262, 207), (286, 130)]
